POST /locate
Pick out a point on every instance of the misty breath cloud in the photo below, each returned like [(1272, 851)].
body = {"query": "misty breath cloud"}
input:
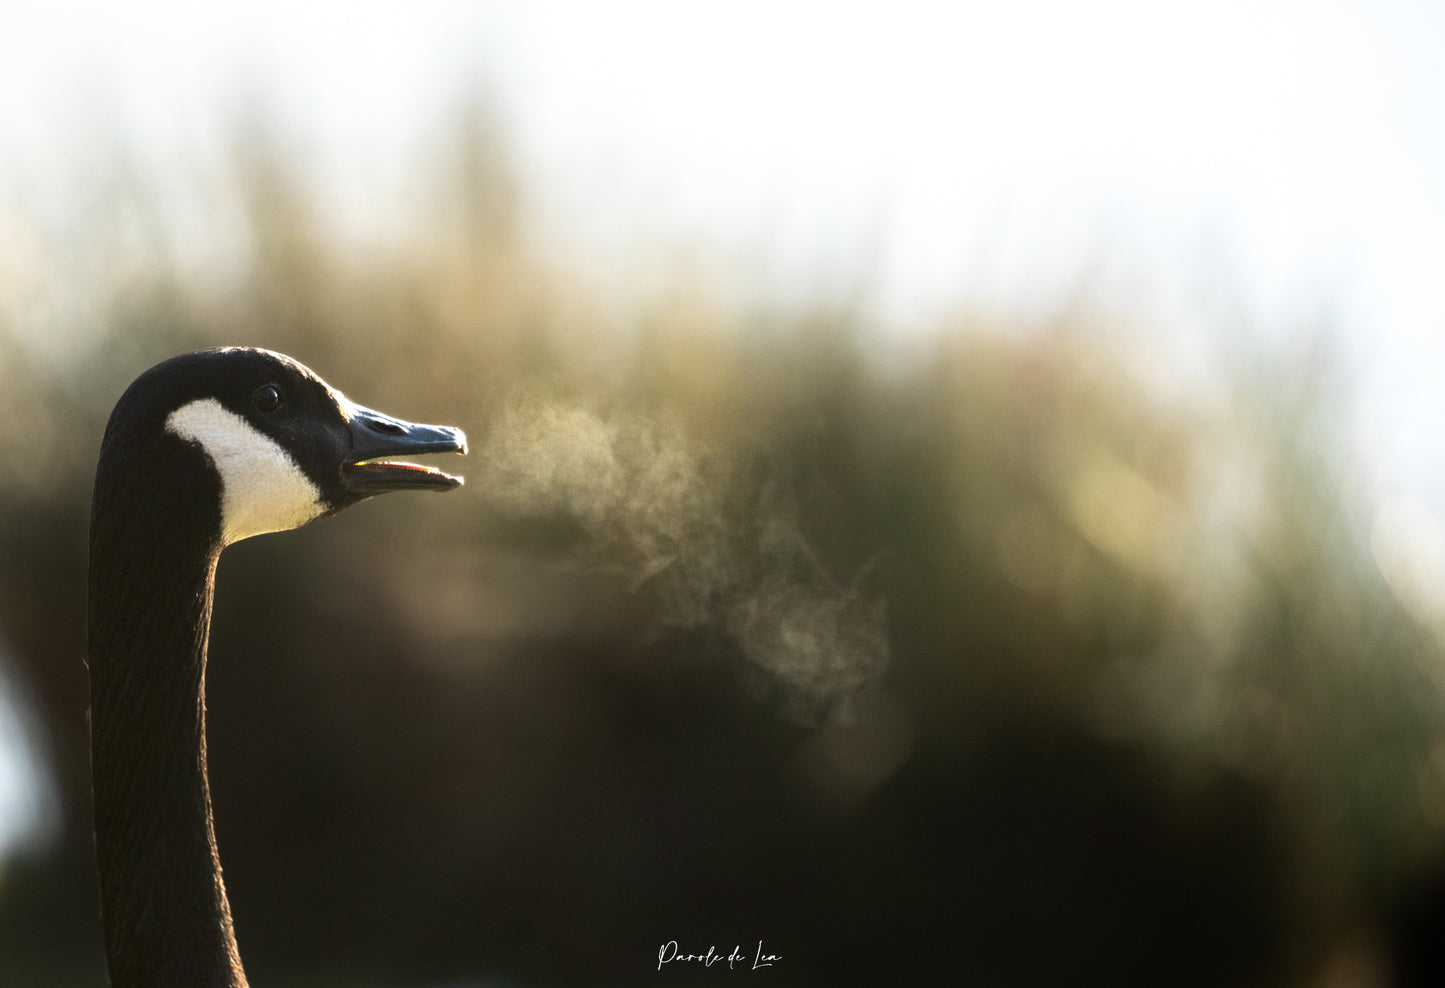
[(714, 538)]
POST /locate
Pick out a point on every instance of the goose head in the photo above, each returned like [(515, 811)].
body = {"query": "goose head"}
[(273, 442)]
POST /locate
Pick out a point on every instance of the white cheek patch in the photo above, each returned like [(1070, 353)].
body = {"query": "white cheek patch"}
[(262, 488)]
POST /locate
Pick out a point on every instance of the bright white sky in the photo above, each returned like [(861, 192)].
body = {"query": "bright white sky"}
[(985, 153)]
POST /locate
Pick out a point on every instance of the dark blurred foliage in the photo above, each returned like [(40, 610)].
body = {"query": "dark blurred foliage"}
[(992, 662)]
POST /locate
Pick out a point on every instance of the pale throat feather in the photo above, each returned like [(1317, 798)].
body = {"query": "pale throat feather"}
[(262, 488)]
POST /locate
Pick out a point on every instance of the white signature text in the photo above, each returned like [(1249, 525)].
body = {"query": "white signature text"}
[(670, 953)]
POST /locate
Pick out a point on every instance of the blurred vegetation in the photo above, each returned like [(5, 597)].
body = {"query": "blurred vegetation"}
[(994, 656)]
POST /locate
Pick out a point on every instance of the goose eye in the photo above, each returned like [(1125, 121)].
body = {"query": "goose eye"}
[(267, 397)]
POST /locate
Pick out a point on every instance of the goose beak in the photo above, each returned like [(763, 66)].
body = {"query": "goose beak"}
[(376, 436)]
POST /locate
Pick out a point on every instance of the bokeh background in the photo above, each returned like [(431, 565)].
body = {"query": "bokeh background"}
[(954, 493)]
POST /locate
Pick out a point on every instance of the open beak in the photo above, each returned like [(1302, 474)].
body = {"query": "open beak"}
[(376, 437)]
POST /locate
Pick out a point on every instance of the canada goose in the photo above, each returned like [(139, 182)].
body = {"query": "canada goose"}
[(201, 451)]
